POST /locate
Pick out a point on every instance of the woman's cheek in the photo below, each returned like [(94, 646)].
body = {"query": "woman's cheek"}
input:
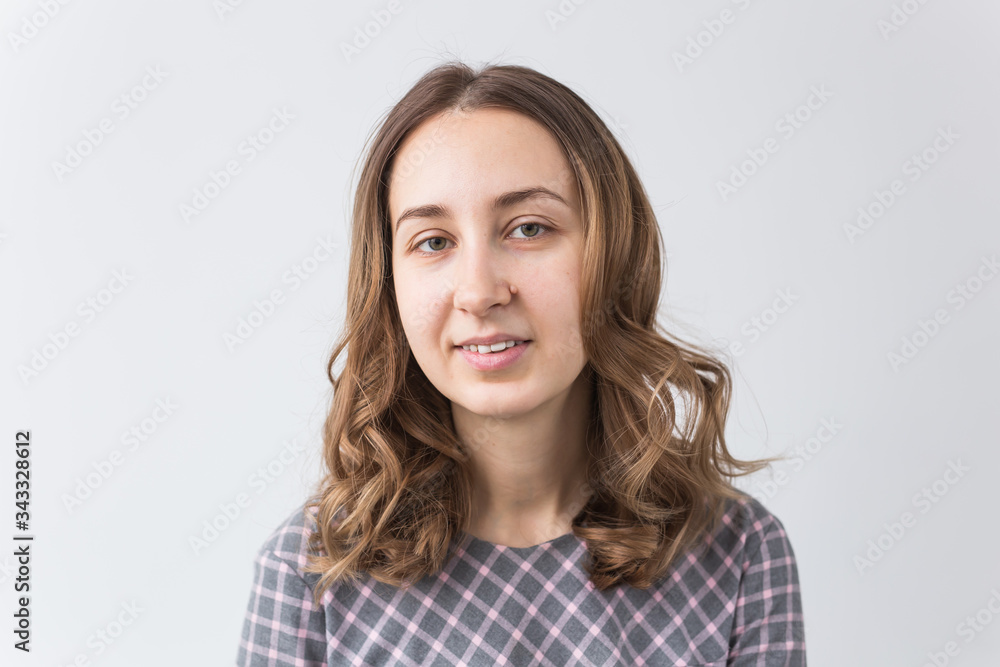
[(421, 311)]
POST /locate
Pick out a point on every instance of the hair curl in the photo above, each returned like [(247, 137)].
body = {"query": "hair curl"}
[(397, 487)]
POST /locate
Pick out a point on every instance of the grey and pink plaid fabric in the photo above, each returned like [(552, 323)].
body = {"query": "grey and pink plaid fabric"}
[(735, 601)]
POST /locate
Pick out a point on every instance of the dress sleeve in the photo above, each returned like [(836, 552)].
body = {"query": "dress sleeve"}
[(282, 627), (769, 629)]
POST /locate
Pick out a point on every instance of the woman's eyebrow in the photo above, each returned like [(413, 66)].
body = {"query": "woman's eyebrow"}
[(502, 201)]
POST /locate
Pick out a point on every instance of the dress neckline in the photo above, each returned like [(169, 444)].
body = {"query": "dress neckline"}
[(555, 542)]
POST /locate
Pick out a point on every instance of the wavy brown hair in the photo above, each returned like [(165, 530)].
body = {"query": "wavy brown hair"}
[(398, 487)]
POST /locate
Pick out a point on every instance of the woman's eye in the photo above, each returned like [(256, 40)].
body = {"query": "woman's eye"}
[(431, 241), (532, 225), (435, 244)]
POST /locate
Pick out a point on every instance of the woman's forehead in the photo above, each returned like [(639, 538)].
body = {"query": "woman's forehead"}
[(475, 157)]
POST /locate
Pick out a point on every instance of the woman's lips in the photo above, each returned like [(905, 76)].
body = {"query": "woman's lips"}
[(494, 361)]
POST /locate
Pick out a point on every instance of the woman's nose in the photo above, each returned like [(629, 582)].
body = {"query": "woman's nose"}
[(479, 284)]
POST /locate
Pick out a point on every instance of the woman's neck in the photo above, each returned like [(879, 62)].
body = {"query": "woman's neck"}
[(530, 471)]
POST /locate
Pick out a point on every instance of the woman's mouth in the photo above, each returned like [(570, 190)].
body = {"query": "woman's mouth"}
[(494, 357)]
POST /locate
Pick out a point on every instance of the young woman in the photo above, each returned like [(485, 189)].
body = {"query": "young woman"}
[(524, 468)]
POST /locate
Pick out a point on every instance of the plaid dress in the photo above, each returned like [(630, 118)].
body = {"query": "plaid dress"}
[(736, 603)]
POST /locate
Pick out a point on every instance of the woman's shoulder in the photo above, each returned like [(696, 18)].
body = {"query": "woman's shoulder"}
[(289, 542), (747, 525)]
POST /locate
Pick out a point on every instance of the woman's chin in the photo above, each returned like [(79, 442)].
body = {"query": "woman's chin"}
[(499, 407)]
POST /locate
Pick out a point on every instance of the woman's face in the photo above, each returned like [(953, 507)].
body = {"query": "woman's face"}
[(461, 235)]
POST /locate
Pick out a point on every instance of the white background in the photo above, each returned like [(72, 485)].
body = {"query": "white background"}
[(161, 336)]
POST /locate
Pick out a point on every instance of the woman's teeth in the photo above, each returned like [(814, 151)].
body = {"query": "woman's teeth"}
[(495, 347)]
